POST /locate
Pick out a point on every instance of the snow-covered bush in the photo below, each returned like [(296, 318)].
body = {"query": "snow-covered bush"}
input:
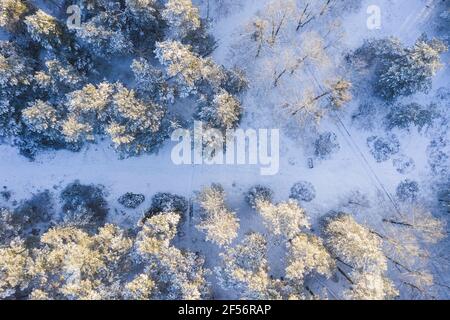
[(407, 190), (437, 157), (383, 148), (10, 228), (303, 191), (12, 13), (307, 255), (404, 164), (326, 145), (371, 286), (403, 116), (168, 202), (84, 205), (131, 200), (182, 17), (35, 213), (46, 30), (258, 194)]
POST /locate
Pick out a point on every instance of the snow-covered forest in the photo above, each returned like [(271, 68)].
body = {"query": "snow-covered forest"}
[(93, 205)]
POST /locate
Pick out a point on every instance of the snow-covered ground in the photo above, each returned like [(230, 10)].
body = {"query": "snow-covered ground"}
[(353, 168)]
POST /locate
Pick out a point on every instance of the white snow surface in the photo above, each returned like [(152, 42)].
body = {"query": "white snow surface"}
[(353, 168)]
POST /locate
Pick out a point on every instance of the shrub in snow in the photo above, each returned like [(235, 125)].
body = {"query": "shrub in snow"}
[(168, 202), (84, 205), (6, 194), (258, 193), (35, 212), (382, 148), (437, 158), (303, 191), (326, 145), (404, 164), (404, 116), (131, 200), (407, 190)]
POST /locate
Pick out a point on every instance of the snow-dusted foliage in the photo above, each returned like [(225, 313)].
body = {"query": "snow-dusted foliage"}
[(219, 223), (177, 274), (45, 30), (354, 244), (284, 220), (182, 16), (399, 70), (74, 70), (131, 200), (258, 194), (188, 69), (168, 202), (383, 148), (307, 255), (303, 191), (83, 205), (371, 286), (407, 190), (12, 13), (245, 269), (355, 97), (405, 116), (325, 145)]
